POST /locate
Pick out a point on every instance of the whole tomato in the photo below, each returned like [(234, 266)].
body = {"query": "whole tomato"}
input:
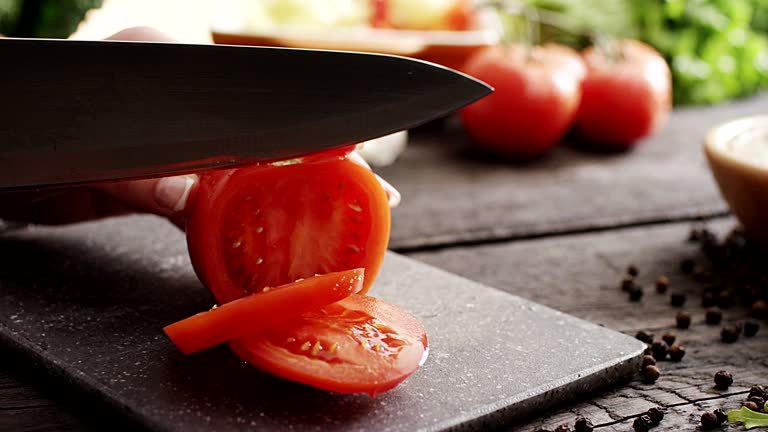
[(534, 103), (626, 95)]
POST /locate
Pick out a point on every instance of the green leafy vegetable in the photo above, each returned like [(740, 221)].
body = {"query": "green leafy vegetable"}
[(750, 418), (43, 18)]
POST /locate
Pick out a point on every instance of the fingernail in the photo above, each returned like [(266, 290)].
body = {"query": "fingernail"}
[(392, 194), (171, 193)]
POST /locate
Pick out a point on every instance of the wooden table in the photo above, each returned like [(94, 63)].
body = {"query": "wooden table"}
[(559, 231)]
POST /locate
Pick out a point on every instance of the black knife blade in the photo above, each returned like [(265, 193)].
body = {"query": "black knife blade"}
[(81, 111)]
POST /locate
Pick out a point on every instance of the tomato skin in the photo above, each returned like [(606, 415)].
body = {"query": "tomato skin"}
[(262, 310), (626, 99), (534, 103), (294, 221), (334, 349)]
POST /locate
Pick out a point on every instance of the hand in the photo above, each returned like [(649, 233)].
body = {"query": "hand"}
[(162, 196)]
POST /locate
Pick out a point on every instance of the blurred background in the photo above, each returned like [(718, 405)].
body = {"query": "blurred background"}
[(716, 49)]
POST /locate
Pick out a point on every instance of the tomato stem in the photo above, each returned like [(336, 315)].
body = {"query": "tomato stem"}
[(611, 49)]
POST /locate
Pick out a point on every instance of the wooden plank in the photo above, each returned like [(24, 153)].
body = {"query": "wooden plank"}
[(580, 274), (451, 195)]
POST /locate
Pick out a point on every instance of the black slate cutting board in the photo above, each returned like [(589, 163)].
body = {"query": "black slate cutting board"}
[(88, 302)]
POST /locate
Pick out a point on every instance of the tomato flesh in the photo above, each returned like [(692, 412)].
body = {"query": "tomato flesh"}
[(261, 310), (357, 345), (269, 225)]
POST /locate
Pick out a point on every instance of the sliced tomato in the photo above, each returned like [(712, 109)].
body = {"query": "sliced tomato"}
[(357, 345), (269, 225), (261, 310)]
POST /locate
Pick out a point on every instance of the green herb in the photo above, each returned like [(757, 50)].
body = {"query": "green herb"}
[(750, 418)]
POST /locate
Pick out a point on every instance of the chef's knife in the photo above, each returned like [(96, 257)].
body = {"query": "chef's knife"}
[(81, 111)]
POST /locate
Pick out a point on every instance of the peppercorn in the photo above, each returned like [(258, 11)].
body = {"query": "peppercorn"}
[(583, 425), (627, 283), (632, 270), (751, 328), (647, 360), (724, 299), (677, 299), (709, 421), (714, 316), (729, 334), (676, 352), (642, 423), (656, 415), (700, 274), (723, 379), (683, 320), (758, 390), (636, 293), (647, 350), (563, 428), (662, 283), (659, 349), (751, 406), (687, 265), (651, 373), (759, 401), (708, 299), (760, 309), (721, 415), (644, 336), (669, 338)]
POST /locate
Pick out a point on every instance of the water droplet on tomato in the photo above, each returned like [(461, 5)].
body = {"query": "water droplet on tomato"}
[(236, 244), (356, 207)]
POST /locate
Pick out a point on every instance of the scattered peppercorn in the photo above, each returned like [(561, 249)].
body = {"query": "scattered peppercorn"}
[(687, 265), (683, 320), (642, 423), (721, 415), (694, 235), (759, 401), (662, 283), (758, 390), (751, 406), (676, 352), (708, 299), (583, 425), (632, 270), (656, 415), (677, 299), (724, 299), (647, 360), (760, 309), (730, 334), (659, 349), (636, 293), (714, 316), (669, 337), (751, 328), (651, 373), (709, 421), (644, 336), (563, 428), (627, 283), (723, 379)]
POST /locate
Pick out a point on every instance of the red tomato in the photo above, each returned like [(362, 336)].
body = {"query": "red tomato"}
[(534, 103), (358, 345), (250, 228), (261, 310), (625, 97)]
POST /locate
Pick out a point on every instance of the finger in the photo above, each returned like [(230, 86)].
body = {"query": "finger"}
[(167, 196), (147, 34), (393, 195)]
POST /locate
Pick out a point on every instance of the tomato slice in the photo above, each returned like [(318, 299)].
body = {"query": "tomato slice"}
[(358, 345), (260, 226), (261, 310)]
